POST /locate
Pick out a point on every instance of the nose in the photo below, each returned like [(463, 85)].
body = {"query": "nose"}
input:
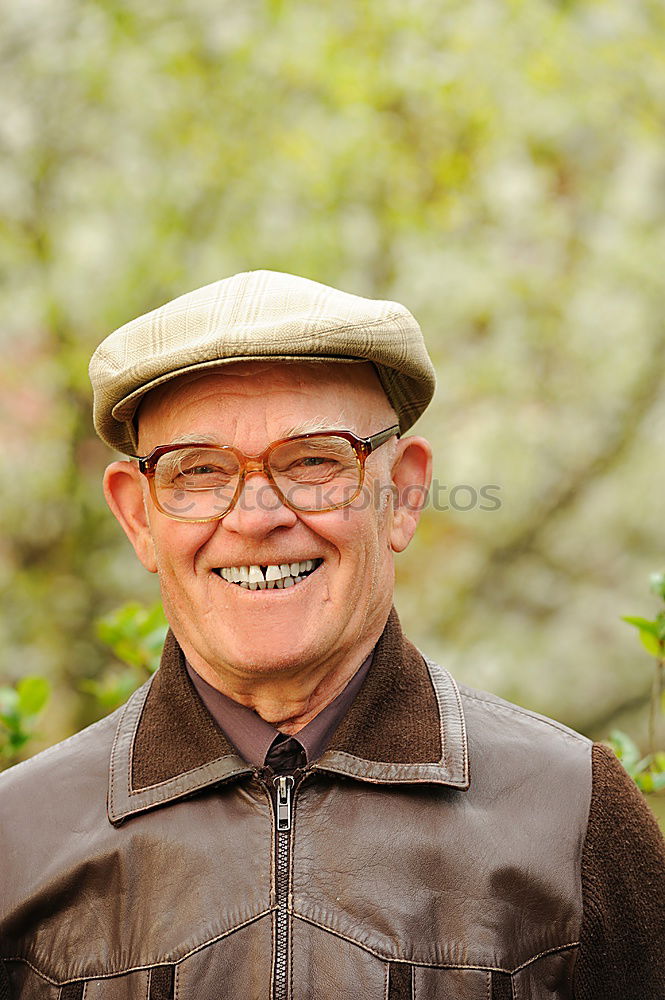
[(258, 509)]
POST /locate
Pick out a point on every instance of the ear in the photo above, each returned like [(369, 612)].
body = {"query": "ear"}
[(411, 475), (123, 490)]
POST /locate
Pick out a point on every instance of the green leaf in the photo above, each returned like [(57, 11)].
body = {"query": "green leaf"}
[(136, 634), (651, 632), (625, 749), (657, 584), (651, 643), (643, 624), (33, 693), (643, 766), (660, 626), (112, 690), (645, 782), (8, 705)]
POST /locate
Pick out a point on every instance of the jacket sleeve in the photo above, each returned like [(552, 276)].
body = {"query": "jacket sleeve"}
[(4, 982), (622, 945)]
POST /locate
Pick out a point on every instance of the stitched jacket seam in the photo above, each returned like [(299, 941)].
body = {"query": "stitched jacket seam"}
[(525, 714), (146, 966), (433, 965)]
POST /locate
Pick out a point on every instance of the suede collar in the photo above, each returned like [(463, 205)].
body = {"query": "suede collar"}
[(405, 726)]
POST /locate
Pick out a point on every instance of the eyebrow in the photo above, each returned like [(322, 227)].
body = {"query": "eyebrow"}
[(316, 424), (200, 438), (311, 426)]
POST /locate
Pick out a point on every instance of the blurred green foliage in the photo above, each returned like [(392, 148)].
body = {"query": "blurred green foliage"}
[(648, 771), (19, 708), (135, 635), (497, 167)]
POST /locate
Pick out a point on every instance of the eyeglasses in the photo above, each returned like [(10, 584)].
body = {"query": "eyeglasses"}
[(313, 473)]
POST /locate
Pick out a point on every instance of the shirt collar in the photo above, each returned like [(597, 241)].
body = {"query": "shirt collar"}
[(252, 736), (405, 725)]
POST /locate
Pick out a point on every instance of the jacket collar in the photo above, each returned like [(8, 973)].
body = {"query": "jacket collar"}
[(405, 726)]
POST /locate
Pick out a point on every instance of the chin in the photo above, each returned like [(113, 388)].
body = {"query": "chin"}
[(269, 658)]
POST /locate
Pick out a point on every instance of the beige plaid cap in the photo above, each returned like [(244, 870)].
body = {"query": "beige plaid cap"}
[(256, 314)]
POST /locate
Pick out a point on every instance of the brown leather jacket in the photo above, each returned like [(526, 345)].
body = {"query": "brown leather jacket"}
[(446, 845)]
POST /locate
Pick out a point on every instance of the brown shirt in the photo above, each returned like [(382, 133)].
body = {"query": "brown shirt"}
[(260, 743)]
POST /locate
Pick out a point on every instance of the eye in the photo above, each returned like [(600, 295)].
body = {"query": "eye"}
[(315, 462), (201, 470), (195, 469), (207, 475)]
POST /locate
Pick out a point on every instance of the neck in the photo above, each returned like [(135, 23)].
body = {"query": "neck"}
[(290, 700)]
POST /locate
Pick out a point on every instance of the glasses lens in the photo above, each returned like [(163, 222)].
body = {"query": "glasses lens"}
[(196, 483), (317, 473)]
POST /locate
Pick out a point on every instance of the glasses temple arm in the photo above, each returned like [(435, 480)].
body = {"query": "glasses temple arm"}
[(376, 440)]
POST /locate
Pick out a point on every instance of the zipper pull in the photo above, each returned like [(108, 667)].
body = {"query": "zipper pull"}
[(283, 784)]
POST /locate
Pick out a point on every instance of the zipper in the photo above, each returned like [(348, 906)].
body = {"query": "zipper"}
[(283, 785)]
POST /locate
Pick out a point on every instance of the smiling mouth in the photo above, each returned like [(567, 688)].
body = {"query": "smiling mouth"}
[(269, 577)]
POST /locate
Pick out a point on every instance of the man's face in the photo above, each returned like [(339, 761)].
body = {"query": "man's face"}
[(338, 607)]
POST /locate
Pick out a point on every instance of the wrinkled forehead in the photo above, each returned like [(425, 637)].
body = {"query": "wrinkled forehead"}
[(345, 393)]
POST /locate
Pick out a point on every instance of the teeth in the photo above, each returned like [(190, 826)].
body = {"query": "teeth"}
[(276, 577)]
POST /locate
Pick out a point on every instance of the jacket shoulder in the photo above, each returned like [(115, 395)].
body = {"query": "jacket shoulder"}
[(83, 756), (508, 742), (515, 720)]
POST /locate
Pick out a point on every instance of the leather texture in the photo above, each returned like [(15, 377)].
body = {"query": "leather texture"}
[(455, 868)]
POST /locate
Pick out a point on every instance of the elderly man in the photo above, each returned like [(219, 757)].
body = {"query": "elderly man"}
[(300, 804)]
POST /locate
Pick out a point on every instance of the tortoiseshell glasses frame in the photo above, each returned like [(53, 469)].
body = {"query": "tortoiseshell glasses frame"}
[(250, 464)]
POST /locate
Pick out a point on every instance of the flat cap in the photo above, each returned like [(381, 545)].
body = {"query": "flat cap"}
[(250, 316)]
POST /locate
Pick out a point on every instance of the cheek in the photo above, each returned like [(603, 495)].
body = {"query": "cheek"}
[(367, 545), (353, 533), (178, 544)]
